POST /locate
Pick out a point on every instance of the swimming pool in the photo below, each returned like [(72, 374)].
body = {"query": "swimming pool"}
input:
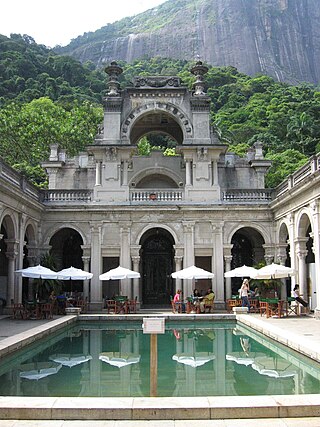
[(112, 359)]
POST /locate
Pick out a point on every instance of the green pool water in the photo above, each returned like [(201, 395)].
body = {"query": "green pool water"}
[(198, 359)]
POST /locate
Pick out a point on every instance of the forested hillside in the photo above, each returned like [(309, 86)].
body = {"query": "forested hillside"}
[(49, 99)]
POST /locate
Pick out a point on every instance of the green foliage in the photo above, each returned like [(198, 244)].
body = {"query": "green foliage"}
[(47, 98), (28, 130), (283, 164), (29, 71)]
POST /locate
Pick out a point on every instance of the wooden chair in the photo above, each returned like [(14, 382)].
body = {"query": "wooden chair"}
[(233, 302), (132, 306), (275, 308), (254, 305), (81, 303), (111, 306), (264, 307), (46, 311), (19, 311), (209, 306)]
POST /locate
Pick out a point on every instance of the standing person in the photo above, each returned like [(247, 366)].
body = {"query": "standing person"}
[(244, 293), (297, 297)]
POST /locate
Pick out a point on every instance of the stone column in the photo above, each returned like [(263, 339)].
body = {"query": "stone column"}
[(125, 258), (32, 260), (316, 251), (11, 254), (188, 229), (217, 262), (96, 302), (269, 253), (125, 172), (281, 259), (188, 172), (86, 251), (227, 262), (215, 172), (98, 172), (302, 252), (136, 287), (291, 243), (178, 266), (22, 223)]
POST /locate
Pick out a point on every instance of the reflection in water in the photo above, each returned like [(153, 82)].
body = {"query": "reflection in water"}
[(202, 361), (70, 360), (119, 359)]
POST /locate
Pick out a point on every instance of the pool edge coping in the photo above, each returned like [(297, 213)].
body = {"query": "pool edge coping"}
[(151, 408)]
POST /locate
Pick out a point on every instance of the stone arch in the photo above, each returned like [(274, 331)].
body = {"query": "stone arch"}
[(49, 234), (151, 226), (9, 222), (283, 232), (169, 111), (30, 232), (149, 173), (258, 228), (304, 219)]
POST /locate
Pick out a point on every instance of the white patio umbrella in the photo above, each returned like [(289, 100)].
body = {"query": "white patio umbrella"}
[(119, 273), (73, 273), (192, 273), (274, 271), (70, 360), (193, 359), (36, 371), (242, 358), (244, 271), (37, 272), (119, 359), (274, 367)]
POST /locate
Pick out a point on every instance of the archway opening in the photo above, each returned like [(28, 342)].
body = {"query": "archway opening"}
[(157, 253), (67, 252), (247, 250), (158, 126)]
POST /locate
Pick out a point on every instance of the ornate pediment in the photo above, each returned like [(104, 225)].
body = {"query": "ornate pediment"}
[(156, 81)]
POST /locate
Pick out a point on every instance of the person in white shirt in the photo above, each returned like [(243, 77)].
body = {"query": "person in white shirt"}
[(244, 294)]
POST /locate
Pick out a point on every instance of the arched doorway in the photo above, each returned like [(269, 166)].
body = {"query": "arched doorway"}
[(156, 254), (67, 252), (247, 249)]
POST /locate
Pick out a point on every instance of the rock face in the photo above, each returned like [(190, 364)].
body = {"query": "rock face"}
[(280, 38)]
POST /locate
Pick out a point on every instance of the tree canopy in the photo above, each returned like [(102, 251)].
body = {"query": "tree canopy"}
[(46, 98)]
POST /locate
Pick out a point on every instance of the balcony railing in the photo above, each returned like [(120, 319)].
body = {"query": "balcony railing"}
[(156, 195), (49, 196), (245, 196)]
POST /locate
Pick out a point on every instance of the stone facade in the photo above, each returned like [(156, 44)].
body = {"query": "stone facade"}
[(157, 214)]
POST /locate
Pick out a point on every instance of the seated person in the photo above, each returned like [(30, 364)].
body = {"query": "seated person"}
[(207, 300), (196, 297), (297, 297), (177, 300)]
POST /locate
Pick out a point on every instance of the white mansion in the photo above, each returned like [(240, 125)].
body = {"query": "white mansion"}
[(157, 214)]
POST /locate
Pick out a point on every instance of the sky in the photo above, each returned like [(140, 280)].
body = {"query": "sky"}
[(57, 22)]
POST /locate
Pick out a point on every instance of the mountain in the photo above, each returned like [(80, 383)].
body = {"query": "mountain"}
[(280, 38)]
